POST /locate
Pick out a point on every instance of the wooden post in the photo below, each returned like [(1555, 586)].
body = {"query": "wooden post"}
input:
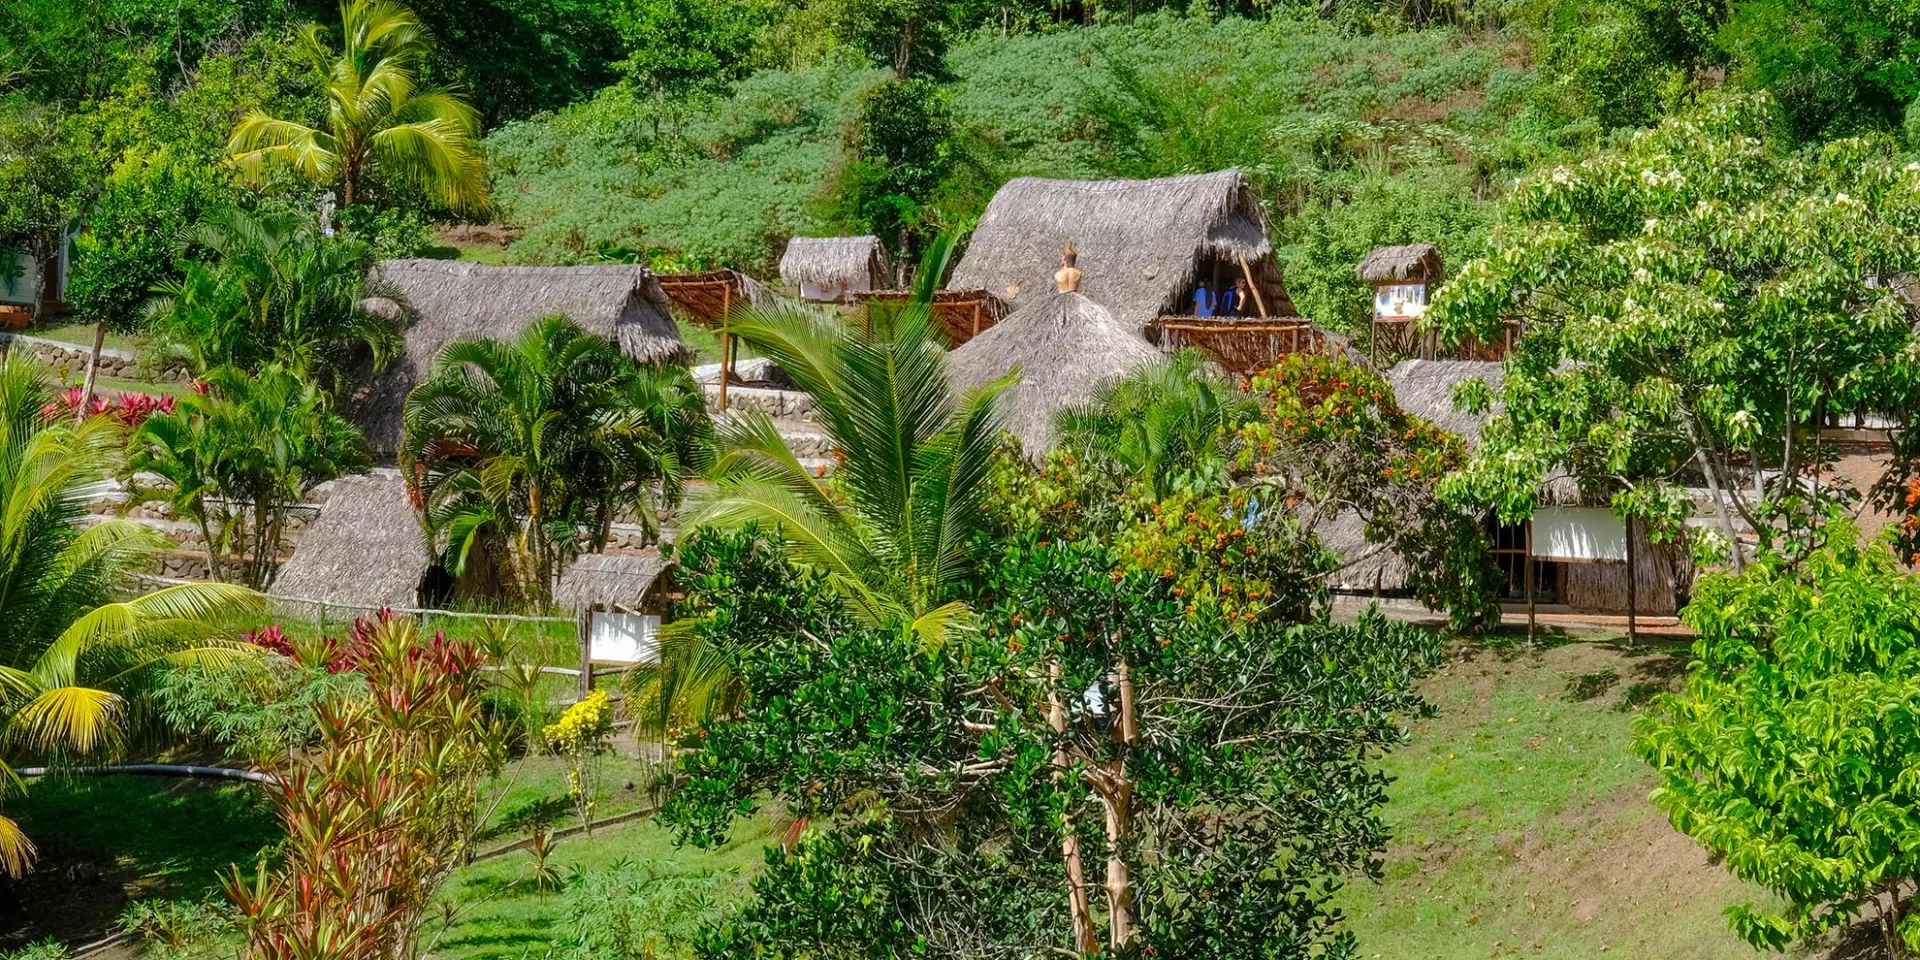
[(1528, 559), (726, 343), (1633, 576), (93, 367), (976, 320), (583, 627), (1258, 301)]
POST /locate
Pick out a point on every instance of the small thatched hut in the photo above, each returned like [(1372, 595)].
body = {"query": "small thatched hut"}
[(1065, 346), (1424, 388), (441, 301), (833, 269), (706, 297), (1408, 263), (1146, 244), (621, 593), (366, 548)]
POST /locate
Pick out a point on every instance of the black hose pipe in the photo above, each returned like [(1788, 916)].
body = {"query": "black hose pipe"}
[(156, 770)]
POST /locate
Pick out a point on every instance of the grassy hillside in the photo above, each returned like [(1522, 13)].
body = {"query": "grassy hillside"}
[(1354, 139)]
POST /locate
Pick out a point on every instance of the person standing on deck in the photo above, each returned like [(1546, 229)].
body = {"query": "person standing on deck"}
[(1202, 301)]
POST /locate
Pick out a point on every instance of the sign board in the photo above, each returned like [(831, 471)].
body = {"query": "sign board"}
[(1581, 534), (1399, 301), (624, 638)]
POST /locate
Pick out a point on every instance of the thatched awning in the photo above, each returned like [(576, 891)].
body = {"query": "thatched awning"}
[(1409, 263), (855, 263), (606, 580), (706, 297), (1425, 388), (1141, 242), (1066, 347), (366, 548), (443, 301)]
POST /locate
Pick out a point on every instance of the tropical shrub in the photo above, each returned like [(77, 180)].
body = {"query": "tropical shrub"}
[(534, 447), (580, 736), (237, 458), (1786, 751), (75, 656), (258, 716), (1163, 424), (636, 911), (388, 808)]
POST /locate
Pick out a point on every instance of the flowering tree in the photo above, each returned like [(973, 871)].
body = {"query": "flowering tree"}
[(579, 736)]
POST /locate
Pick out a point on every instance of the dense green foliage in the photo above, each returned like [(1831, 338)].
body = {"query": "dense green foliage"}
[(1789, 751)]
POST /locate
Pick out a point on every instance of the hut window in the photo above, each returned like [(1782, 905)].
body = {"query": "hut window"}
[(625, 638), (1399, 301)]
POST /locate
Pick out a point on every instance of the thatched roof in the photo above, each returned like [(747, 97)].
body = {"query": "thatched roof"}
[(366, 547), (706, 297), (442, 301), (608, 579), (1140, 241), (1425, 388), (1363, 566), (1411, 263), (1065, 346), (835, 261)]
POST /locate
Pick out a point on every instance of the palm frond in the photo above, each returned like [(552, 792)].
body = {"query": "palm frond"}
[(17, 853), (72, 719)]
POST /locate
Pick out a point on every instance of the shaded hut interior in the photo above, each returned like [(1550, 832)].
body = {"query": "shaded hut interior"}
[(438, 302)]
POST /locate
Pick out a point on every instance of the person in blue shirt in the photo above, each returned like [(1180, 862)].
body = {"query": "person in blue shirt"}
[(1202, 301)]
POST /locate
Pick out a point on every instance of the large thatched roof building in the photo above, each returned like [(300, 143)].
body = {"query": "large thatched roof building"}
[(366, 548), (1065, 346), (1424, 388), (1143, 244), (835, 268), (442, 301)]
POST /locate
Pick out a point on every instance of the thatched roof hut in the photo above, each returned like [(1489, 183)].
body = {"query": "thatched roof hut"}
[(1143, 244), (1065, 347), (441, 301), (1364, 567), (365, 548), (835, 268), (1425, 388), (1408, 263), (605, 581)]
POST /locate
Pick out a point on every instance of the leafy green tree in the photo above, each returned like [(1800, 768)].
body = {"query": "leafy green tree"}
[(676, 48), (268, 288), (1163, 424), (46, 175), (236, 459), (1838, 67), (381, 124), (892, 526), (971, 792), (534, 447), (144, 210), (516, 58), (1697, 296), (72, 654), (1787, 753), (901, 148)]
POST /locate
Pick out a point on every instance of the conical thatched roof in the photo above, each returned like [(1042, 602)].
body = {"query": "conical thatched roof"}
[(365, 548), (1410, 263), (1141, 242), (608, 580), (442, 301), (1425, 388), (859, 262), (1065, 346)]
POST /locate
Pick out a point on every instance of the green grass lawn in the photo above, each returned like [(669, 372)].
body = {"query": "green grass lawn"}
[(82, 334), (1523, 828)]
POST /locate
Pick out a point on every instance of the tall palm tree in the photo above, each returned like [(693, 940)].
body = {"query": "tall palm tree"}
[(68, 651), (379, 122), (540, 443), (891, 525)]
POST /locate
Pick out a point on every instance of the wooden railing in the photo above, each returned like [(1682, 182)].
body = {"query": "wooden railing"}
[(1402, 339), (960, 314), (1243, 346)]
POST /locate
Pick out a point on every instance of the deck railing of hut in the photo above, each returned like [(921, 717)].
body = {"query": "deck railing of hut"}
[(1243, 346), (960, 314), (1401, 338)]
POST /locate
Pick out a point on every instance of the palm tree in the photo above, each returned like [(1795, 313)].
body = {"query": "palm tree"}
[(379, 123), (540, 443), (1162, 423), (273, 290), (891, 527), (68, 651)]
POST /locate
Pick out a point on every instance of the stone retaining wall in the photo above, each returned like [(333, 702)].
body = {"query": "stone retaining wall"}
[(119, 364)]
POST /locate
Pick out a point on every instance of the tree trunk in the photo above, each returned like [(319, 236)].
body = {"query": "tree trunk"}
[(46, 259), (1719, 497), (1085, 942), (1118, 797), (206, 537), (93, 368)]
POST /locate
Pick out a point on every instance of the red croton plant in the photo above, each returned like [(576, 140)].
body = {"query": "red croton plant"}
[(385, 809)]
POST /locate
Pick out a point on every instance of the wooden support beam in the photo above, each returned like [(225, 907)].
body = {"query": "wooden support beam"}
[(1530, 578), (1258, 301), (583, 629), (1633, 577), (976, 319)]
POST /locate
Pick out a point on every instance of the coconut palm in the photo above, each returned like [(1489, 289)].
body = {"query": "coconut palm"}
[(540, 443), (68, 651), (1161, 423), (379, 124), (892, 524)]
